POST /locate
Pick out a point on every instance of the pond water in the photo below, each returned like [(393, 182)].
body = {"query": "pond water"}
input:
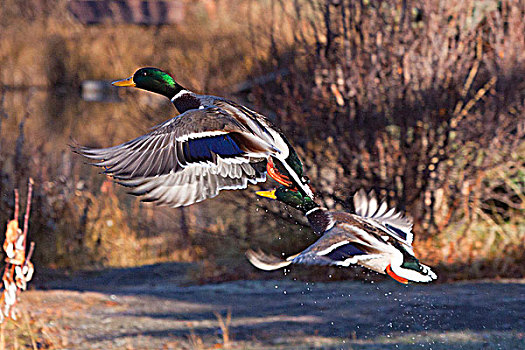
[(94, 114)]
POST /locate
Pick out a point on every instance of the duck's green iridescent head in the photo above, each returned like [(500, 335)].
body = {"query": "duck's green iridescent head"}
[(152, 79), (290, 197)]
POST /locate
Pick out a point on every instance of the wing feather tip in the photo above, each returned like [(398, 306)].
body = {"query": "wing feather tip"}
[(265, 262)]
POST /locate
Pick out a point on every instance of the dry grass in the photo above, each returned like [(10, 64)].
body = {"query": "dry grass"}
[(224, 325), (28, 333)]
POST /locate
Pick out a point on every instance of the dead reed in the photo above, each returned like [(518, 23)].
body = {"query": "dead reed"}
[(19, 269)]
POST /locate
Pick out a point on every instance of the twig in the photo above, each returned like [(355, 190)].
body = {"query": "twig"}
[(16, 204), (28, 209), (30, 253), (224, 325), (30, 331)]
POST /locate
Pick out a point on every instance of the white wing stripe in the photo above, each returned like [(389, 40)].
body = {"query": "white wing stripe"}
[(200, 135), (332, 247)]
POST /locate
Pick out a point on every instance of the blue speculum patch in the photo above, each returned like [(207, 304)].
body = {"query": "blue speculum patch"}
[(397, 231), (205, 149), (344, 252)]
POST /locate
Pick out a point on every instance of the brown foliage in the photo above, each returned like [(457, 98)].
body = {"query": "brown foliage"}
[(420, 101)]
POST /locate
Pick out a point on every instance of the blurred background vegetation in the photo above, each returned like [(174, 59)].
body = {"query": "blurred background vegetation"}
[(423, 101)]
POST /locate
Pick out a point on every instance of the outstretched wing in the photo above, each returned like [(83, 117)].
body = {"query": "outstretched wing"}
[(393, 222), (194, 137), (205, 147), (336, 247), (194, 183)]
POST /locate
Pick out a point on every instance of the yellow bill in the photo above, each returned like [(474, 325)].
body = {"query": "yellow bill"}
[(124, 82), (267, 194)]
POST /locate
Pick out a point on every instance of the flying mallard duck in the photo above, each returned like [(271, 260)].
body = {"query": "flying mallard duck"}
[(214, 144), (375, 237)]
